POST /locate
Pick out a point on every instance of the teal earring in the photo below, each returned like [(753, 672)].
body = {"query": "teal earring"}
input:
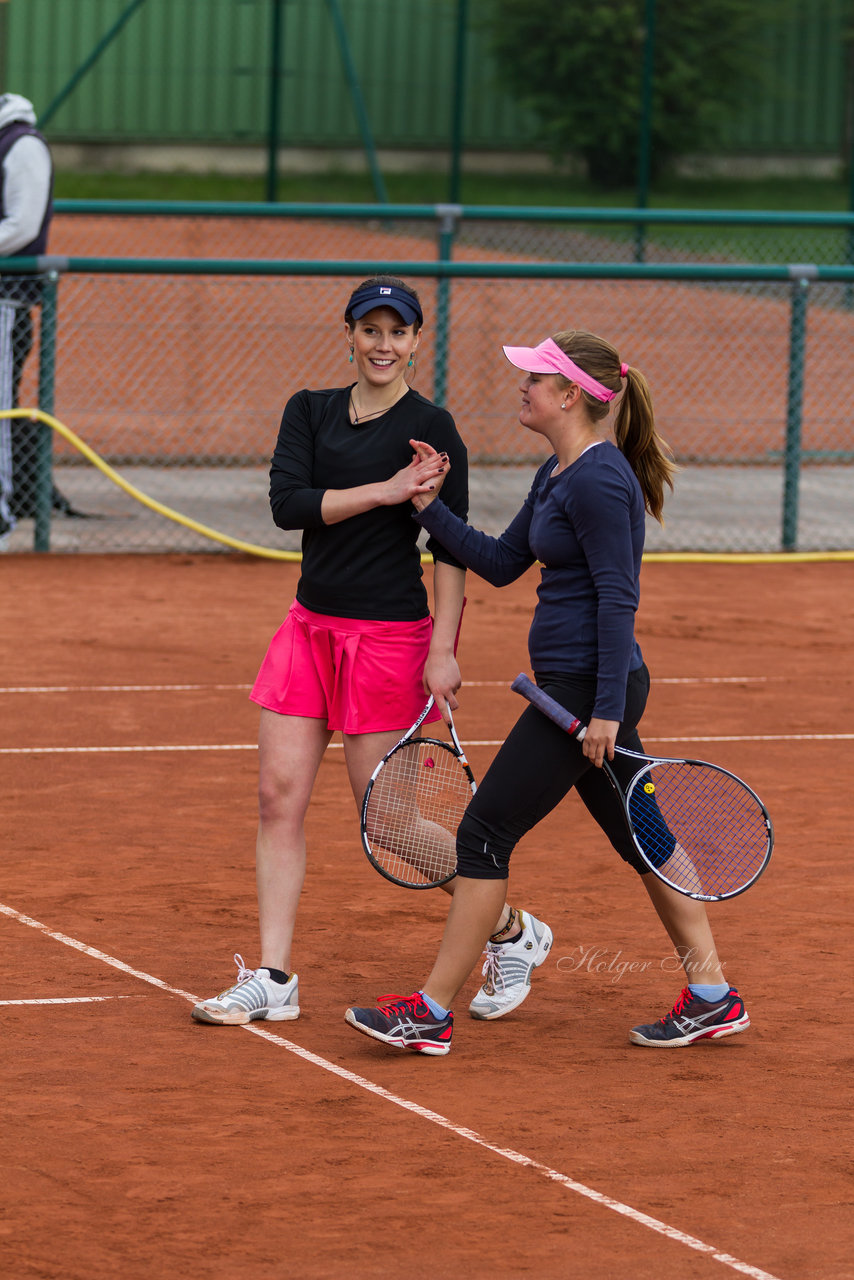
[(411, 363), (351, 355)]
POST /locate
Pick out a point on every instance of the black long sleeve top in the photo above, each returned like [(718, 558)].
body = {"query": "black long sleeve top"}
[(369, 565)]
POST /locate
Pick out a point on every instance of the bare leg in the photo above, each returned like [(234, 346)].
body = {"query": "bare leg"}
[(688, 928), (471, 919), (290, 751), (363, 753)]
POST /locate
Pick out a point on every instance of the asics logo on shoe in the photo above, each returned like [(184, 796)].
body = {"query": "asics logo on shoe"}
[(688, 1024), (707, 1021), (408, 1029), (407, 1024), (411, 1032)]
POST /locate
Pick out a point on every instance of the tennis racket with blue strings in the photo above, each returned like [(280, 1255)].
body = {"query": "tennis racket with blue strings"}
[(697, 826)]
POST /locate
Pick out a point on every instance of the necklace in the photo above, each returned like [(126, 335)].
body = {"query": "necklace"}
[(363, 417)]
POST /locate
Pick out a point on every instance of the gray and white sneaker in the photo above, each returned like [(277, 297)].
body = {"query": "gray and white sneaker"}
[(508, 967), (254, 997)]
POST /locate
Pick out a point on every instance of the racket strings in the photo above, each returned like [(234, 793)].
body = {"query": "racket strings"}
[(415, 805), (703, 829)]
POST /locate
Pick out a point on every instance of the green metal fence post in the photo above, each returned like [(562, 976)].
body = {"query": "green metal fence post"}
[(358, 101), (276, 24), (4, 42), (849, 235), (459, 100), (47, 372), (448, 215), (801, 276), (645, 137), (52, 108)]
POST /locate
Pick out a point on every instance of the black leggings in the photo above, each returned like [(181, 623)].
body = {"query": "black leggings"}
[(535, 768)]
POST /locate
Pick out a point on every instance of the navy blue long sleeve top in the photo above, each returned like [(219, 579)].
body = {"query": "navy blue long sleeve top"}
[(586, 527)]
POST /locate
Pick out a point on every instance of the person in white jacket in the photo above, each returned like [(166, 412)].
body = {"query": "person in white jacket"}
[(26, 208)]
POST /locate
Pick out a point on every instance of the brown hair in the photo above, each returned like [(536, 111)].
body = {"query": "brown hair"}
[(648, 455)]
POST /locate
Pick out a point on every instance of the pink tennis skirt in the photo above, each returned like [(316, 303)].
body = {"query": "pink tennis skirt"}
[(358, 675)]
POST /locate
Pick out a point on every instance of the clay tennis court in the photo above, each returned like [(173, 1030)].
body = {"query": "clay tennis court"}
[(138, 1143)]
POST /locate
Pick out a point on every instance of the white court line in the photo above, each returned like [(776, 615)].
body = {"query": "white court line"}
[(467, 684), (64, 751), (722, 737), (483, 742), (761, 737), (72, 1000), (94, 952), (115, 688), (507, 1153)]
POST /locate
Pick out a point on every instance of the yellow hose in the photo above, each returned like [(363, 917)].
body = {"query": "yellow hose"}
[(270, 553), (744, 557), (91, 456)]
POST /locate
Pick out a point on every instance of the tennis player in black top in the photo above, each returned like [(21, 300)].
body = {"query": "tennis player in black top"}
[(358, 650)]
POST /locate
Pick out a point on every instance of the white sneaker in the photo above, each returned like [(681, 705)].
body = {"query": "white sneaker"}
[(508, 967), (254, 997)]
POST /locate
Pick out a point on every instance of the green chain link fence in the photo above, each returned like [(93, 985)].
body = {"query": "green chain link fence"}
[(175, 369)]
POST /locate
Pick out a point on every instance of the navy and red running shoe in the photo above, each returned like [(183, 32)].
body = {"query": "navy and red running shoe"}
[(405, 1022), (693, 1019)]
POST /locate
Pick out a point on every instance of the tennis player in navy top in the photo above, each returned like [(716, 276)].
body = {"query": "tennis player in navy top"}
[(583, 521)]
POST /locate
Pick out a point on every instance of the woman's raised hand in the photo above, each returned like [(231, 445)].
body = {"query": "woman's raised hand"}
[(435, 465), (420, 480)]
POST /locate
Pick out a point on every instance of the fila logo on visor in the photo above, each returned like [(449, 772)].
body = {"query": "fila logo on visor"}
[(385, 291)]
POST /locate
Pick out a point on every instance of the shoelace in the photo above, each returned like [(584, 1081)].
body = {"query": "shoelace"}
[(242, 975), (392, 1004), (242, 972), (492, 969), (685, 998)]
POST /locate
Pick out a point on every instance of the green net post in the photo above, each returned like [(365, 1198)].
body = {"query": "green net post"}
[(801, 277), (358, 100), (47, 372), (645, 138), (457, 122), (275, 89), (448, 215)]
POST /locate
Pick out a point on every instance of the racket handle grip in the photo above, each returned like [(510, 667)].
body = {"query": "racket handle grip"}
[(543, 702)]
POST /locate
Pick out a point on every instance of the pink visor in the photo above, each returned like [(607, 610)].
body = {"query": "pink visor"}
[(548, 358)]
